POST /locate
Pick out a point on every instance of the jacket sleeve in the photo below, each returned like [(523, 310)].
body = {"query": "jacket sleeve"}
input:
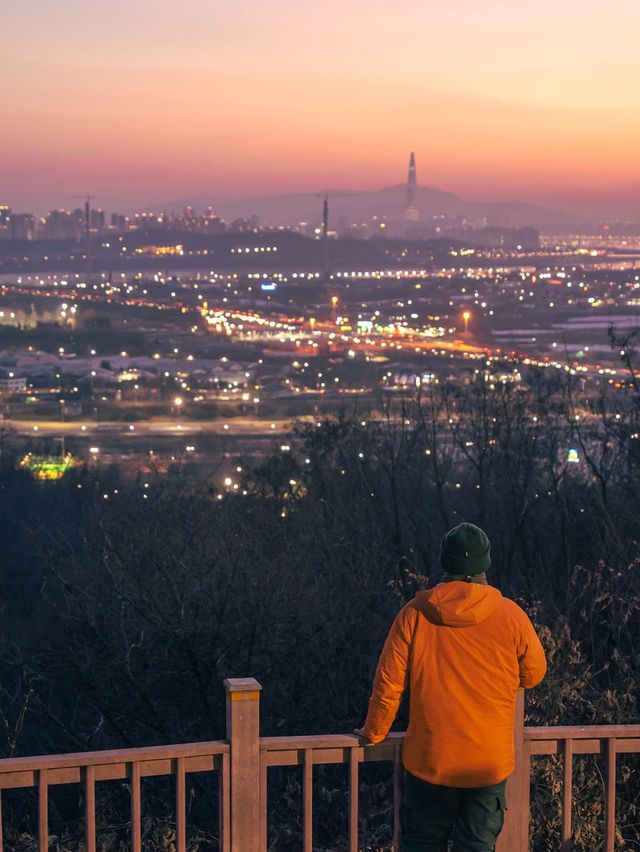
[(391, 676), (531, 659)]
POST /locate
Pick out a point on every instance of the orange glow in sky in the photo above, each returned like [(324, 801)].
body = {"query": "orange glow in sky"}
[(144, 102)]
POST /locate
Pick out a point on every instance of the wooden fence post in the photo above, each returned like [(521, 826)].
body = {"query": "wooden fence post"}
[(243, 733), (515, 835)]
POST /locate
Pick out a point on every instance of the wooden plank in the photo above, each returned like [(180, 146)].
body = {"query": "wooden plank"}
[(90, 808), (578, 732), (17, 780), (627, 745), (224, 803), (114, 772), (366, 754), (264, 814), (113, 756), (567, 796), (353, 800), (107, 772), (324, 741), (181, 806), (398, 784), (136, 809), (526, 794), (380, 753), (307, 792), (43, 811), (547, 747), (610, 835), (203, 763)]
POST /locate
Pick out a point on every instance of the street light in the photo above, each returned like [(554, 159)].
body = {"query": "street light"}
[(466, 316)]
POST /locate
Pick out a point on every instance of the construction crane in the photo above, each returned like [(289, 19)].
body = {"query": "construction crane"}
[(325, 234), (87, 227), (325, 228)]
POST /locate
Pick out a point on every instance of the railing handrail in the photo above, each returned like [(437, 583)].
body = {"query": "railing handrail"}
[(111, 757), (320, 741), (581, 732), (531, 732), (324, 741)]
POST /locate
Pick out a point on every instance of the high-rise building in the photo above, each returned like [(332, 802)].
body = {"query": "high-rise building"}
[(23, 226), (97, 220), (79, 221), (5, 222), (412, 214), (62, 225), (119, 222)]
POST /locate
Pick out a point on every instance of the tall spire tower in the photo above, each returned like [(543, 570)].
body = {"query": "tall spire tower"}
[(411, 213)]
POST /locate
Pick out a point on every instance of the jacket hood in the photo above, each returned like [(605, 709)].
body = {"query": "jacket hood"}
[(458, 604)]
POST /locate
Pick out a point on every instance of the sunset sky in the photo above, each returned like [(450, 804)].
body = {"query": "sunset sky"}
[(145, 102)]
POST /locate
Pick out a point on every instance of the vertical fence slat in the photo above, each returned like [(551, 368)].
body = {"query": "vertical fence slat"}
[(353, 800), (1, 830), (224, 804), (567, 796), (526, 793), (307, 790), (263, 803), (90, 808), (610, 793), (136, 810), (43, 811), (398, 780), (181, 806)]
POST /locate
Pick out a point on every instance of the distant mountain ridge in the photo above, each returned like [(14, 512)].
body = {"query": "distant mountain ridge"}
[(361, 205)]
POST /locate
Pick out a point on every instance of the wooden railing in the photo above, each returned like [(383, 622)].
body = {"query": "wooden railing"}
[(606, 740), (130, 765), (242, 763)]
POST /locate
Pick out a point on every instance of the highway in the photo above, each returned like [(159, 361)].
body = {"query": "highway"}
[(237, 426)]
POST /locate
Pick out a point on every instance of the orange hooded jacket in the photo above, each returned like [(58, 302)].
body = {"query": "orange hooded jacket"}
[(464, 651)]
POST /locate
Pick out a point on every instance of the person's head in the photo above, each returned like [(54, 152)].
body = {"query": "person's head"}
[(465, 554)]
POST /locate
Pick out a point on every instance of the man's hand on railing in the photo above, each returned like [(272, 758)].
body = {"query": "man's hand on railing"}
[(364, 741)]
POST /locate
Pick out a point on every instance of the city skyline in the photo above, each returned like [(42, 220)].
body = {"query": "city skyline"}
[(150, 101)]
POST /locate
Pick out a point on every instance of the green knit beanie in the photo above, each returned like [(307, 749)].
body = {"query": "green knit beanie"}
[(465, 550)]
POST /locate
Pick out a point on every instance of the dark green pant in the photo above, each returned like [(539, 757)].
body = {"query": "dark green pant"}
[(432, 815)]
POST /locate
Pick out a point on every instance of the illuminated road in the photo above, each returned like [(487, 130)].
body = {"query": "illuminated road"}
[(248, 426)]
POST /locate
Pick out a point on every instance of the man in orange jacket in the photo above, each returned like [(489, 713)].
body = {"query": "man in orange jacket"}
[(464, 651)]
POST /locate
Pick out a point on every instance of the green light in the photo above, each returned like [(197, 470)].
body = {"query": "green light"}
[(48, 468)]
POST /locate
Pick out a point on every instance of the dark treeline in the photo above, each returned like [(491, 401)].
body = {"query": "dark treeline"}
[(121, 616)]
